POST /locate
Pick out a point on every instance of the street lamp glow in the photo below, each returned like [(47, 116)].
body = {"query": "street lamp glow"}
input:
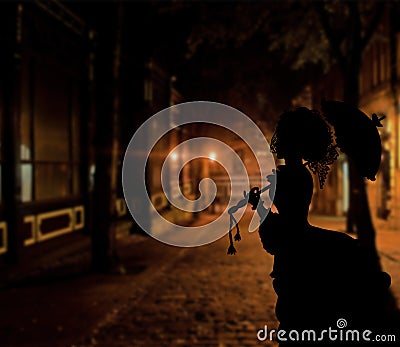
[(212, 156)]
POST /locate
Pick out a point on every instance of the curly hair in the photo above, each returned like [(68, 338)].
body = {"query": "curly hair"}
[(304, 133)]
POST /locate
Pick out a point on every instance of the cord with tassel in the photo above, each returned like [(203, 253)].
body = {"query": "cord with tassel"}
[(253, 197)]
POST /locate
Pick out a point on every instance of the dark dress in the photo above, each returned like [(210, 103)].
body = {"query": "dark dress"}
[(321, 276)]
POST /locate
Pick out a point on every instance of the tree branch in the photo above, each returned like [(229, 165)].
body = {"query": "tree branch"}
[(334, 41), (374, 23)]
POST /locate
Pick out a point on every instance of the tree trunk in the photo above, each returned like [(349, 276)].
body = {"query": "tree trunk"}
[(359, 218), (104, 257)]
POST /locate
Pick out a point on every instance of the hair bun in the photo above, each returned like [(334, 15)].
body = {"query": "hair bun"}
[(304, 133)]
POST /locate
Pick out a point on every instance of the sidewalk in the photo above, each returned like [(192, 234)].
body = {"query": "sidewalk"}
[(61, 260)]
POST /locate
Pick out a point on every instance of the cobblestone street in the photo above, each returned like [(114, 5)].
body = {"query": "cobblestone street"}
[(200, 297), (169, 296)]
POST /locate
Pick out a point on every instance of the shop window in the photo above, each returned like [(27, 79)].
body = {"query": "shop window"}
[(26, 182), (50, 133)]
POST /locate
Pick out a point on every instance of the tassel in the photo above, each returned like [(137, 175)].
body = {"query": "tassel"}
[(237, 235), (231, 249)]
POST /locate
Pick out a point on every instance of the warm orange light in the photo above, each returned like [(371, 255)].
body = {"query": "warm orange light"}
[(212, 156)]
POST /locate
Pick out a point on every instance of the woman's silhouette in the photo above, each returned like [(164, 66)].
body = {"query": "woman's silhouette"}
[(320, 276)]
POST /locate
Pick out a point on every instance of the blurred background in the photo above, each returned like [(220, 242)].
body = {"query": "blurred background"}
[(79, 78)]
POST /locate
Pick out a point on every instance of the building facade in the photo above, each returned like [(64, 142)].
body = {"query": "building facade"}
[(45, 102), (379, 83), (73, 90)]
